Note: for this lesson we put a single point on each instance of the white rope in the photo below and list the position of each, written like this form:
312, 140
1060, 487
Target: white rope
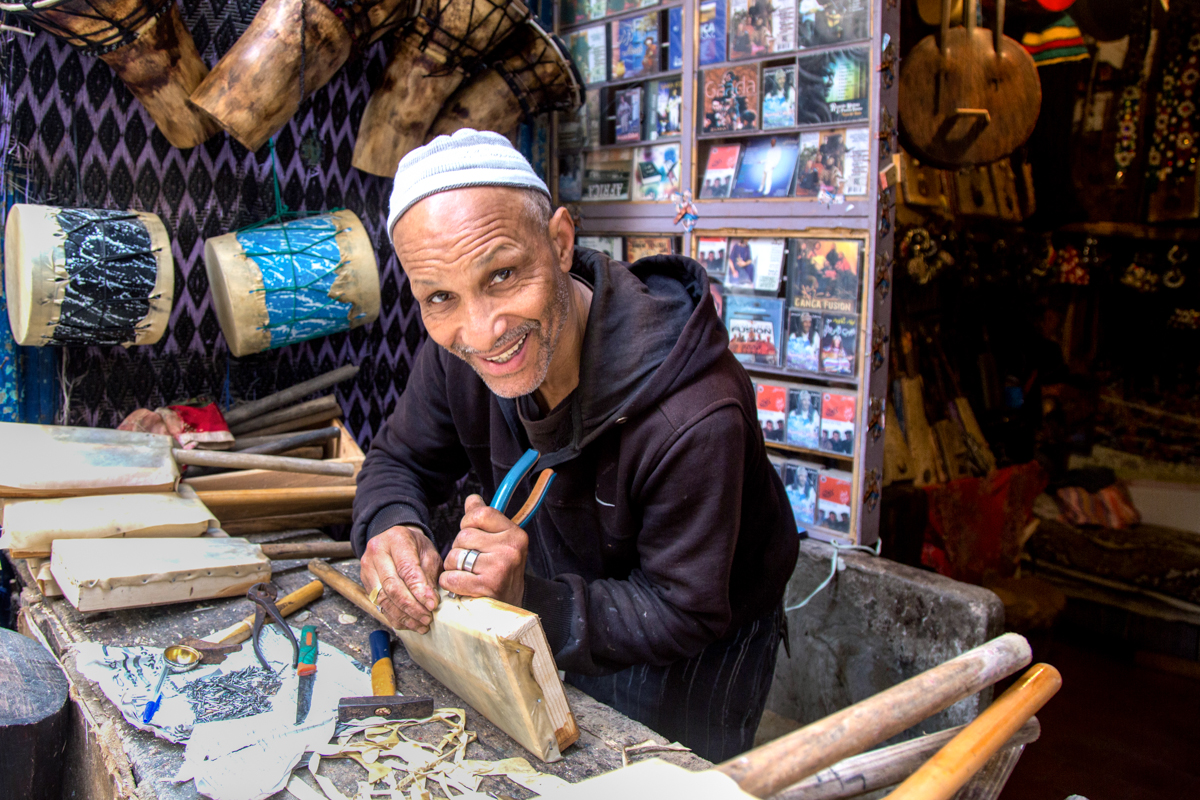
838, 549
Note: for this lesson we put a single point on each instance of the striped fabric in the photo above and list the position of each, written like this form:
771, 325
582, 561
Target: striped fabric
1059, 43
711, 702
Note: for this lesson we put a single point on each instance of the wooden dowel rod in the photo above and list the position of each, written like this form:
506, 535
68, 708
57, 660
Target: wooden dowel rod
887, 766
320, 405
277, 551
282, 442
288, 605
334, 496
944, 774
769, 769
219, 458
289, 396
347, 588
300, 423
287, 522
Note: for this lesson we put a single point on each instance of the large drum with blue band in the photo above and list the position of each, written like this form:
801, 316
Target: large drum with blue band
278, 284
86, 276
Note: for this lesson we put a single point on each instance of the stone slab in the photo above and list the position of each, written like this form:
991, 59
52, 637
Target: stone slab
876, 624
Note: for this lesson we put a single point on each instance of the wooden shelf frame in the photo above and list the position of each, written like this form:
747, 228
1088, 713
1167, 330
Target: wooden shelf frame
858, 217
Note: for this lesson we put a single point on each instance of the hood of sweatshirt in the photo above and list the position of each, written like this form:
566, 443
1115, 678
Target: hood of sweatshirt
652, 328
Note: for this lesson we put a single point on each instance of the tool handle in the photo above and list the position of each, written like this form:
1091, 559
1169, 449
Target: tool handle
383, 676
289, 604
307, 663
534, 502
515, 475
347, 588
151, 709
768, 769
944, 774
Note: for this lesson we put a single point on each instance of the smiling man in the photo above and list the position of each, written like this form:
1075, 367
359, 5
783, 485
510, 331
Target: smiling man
659, 559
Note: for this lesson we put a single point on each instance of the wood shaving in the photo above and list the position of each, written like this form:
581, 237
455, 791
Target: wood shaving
650, 746
398, 767
347, 619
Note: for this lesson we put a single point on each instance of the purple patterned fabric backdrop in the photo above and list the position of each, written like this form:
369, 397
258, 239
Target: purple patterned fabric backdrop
82, 140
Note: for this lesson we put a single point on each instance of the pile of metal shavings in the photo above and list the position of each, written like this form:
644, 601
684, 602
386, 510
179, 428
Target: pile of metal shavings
232, 695
400, 767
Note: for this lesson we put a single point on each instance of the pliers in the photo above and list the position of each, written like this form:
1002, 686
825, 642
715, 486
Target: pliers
263, 596
517, 474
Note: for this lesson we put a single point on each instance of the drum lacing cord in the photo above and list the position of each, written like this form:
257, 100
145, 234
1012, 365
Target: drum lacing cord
68, 332
460, 53
283, 213
125, 29
291, 251
523, 93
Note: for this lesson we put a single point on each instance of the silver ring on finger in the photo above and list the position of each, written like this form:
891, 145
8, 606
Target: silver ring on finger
467, 562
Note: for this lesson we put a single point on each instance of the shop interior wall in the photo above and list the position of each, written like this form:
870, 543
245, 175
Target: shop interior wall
78, 138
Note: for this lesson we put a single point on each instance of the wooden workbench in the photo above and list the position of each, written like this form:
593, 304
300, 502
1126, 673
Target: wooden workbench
108, 758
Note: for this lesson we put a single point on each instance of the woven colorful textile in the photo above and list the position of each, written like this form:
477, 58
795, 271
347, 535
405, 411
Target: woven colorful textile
1060, 42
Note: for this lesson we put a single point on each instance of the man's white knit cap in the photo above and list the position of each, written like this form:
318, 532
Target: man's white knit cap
464, 158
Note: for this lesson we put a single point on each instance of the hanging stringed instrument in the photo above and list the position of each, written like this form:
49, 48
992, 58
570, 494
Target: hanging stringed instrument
968, 95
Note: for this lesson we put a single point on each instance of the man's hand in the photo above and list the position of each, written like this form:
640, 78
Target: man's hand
499, 570
406, 565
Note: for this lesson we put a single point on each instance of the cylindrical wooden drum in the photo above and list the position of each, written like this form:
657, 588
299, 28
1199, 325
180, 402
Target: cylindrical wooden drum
255, 88
429, 62
80, 276
147, 46
279, 284
533, 74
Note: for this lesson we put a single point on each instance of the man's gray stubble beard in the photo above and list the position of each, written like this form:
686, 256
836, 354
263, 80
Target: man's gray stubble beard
562, 301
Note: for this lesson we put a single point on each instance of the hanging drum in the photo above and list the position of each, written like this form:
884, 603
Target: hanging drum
147, 46
291, 49
429, 62
289, 282
84, 276
533, 74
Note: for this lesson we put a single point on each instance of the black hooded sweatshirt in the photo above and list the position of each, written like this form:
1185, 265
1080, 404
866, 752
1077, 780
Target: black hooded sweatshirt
667, 527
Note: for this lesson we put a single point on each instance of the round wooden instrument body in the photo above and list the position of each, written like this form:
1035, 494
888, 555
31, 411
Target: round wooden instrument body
289, 282
535, 75
87, 276
150, 50
943, 92
255, 88
428, 64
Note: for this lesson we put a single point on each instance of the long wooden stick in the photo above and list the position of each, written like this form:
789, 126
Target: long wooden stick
313, 498
769, 769
300, 423
347, 588
954, 764
288, 605
318, 406
287, 522
279, 551
289, 396
887, 766
282, 442
220, 458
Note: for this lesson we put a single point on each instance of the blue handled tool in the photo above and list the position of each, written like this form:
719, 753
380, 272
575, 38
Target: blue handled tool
507, 486
156, 697
517, 474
